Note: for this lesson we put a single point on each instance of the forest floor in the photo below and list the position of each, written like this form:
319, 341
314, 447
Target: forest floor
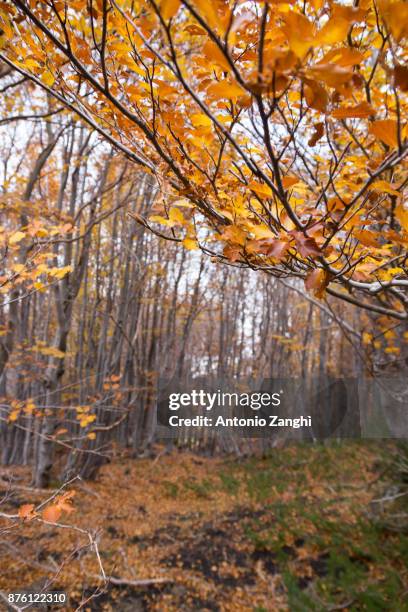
290, 531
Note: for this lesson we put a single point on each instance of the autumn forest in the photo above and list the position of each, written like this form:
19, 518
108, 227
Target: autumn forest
214, 194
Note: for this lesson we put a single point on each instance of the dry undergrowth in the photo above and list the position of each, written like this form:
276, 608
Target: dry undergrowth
211, 534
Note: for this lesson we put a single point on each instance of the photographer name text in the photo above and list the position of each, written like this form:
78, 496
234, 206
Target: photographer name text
221, 421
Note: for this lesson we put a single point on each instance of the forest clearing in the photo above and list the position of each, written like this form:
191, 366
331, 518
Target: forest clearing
295, 530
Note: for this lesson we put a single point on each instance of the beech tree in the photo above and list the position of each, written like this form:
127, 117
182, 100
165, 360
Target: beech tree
275, 132
95, 308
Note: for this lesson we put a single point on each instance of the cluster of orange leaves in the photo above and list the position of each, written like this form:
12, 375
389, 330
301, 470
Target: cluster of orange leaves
52, 511
275, 129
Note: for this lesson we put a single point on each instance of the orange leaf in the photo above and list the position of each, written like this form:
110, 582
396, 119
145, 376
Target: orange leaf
401, 77
367, 238
335, 30
343, 56
64, 502
264, 191
396, 16
214, 54
306, 245
317, 281
176, 216
233, 253
318, 134
208, 12
288, 181
277, 249
335, 204
331, 74
52, 513
316, 95
269, 246
402, 215
27, 512
190, 244
234, 234
383, 186
224, 89
386, 131
201, 120
169, 8
350, 13
361, 111
299, 32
